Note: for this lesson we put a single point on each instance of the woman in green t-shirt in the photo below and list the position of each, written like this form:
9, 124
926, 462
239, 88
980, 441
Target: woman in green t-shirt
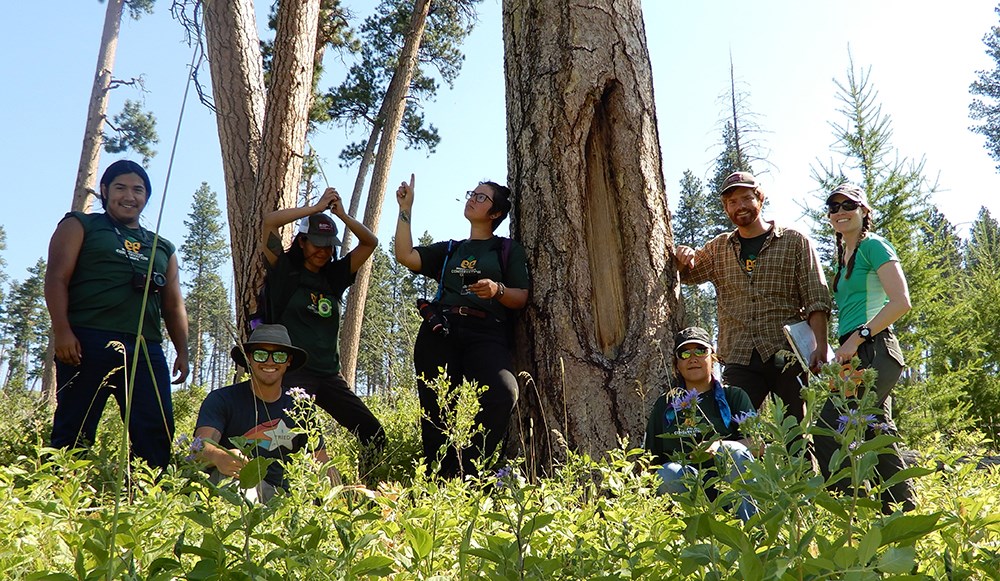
871, 294
305, 285
481, 280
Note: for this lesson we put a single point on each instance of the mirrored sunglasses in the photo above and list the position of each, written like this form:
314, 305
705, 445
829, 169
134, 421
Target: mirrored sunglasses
261, 355
696, 352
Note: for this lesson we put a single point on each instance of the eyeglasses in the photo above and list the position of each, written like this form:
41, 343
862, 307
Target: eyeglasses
696, 352
846, 205
261, 355
478, 197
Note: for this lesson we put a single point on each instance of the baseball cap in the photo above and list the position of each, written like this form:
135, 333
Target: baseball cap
851, 192
320, 230
738, 179
690, 335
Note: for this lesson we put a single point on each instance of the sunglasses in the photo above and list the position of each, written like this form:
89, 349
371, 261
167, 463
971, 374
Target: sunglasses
846, 205
478, 197
261, 355
696, 352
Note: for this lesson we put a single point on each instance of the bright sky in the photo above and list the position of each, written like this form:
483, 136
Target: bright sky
787, 53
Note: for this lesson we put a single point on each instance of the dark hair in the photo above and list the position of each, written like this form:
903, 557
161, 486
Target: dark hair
294, 253
501, 202
866, 223
119, 168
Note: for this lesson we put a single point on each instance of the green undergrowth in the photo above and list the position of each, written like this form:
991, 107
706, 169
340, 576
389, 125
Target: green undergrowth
592, 518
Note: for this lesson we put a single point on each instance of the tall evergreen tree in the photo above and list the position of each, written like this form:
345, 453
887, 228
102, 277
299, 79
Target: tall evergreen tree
985, 108
692, 226
205, 250
4, 339
27, 324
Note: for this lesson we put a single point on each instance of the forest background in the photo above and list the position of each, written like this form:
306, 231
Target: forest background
705, 59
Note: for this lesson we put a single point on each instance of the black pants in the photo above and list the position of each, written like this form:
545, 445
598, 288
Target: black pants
884, 355
334, 396
761, 378
474, 350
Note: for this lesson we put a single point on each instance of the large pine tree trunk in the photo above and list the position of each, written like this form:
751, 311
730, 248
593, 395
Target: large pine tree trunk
261, 155
395, 99
590, 208
238, 93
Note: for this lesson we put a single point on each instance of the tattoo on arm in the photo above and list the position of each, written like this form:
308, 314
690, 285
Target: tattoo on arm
404, 216
274, 244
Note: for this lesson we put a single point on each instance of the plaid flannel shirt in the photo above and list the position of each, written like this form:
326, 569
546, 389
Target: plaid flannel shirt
786, 286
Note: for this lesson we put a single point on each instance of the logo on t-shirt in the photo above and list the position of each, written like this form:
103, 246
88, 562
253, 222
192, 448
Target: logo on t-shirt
271, 435
321, 305
750, 263
468, 272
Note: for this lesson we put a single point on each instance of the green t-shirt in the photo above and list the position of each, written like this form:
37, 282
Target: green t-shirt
101, 293
312, 311
471, 261
861, 296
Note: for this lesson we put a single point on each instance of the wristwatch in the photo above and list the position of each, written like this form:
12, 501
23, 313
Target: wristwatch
865, 332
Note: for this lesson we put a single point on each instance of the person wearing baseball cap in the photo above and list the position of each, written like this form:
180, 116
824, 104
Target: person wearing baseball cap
255, 409
765, 276
871, 293
304, 288
699, 410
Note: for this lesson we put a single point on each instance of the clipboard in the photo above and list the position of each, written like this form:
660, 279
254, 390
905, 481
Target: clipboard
800, 336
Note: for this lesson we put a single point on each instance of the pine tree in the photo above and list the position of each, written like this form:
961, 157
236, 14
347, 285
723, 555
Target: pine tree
692, 227
987, 108
205, 250
27, 325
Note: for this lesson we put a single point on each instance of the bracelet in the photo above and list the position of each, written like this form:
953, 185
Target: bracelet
500, 290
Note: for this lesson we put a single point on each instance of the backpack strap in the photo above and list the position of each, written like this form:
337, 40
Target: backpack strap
452, 245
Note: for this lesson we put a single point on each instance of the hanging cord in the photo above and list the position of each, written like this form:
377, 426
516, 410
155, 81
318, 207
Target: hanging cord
140, 343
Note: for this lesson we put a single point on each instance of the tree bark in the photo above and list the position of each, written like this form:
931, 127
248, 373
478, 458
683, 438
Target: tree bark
238, 92
261, 152
395, 98
590, 208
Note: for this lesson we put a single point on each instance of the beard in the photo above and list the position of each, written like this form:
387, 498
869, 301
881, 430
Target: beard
745, 216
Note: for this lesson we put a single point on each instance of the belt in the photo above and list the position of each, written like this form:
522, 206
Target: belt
466, 312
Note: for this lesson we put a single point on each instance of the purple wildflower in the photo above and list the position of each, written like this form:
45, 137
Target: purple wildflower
503, 472
299, 394
853, 418
882, 428
744, 416
685, 401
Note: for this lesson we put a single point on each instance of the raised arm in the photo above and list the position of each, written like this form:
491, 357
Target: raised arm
64, 249
403, 247
367, 241
270, 240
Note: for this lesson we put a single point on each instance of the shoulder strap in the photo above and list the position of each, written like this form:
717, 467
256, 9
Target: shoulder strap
452, 245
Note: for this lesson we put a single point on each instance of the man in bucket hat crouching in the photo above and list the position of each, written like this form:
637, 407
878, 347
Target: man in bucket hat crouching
255, 410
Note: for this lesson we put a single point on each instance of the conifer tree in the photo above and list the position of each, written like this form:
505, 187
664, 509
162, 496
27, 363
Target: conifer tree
205, 251
27, 325
985, 107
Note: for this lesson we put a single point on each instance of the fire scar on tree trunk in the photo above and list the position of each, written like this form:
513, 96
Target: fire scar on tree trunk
590, 209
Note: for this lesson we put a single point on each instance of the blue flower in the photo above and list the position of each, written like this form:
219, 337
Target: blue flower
744, 416
685, 401
503, 472
853, 418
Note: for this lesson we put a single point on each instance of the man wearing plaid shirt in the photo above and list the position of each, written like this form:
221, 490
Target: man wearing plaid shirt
765, 276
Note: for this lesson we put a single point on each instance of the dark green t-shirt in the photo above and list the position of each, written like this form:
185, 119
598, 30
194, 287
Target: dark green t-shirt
709, 417
471, 261
101, 293
312, 311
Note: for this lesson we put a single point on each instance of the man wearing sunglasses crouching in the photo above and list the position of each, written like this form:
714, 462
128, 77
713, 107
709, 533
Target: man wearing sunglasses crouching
694, 429
255, 410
